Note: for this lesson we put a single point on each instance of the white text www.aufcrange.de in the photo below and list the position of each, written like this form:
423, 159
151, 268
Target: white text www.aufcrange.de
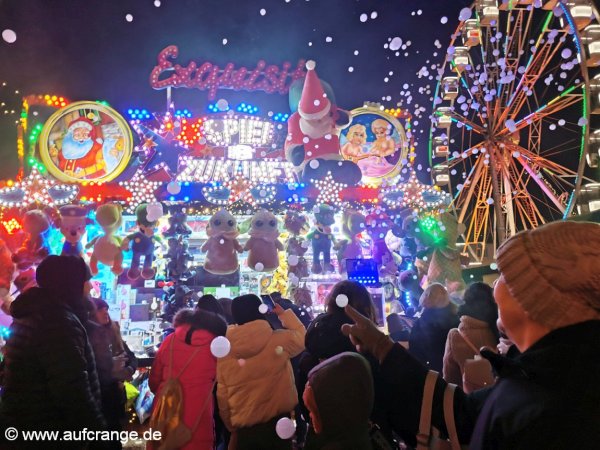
13, 434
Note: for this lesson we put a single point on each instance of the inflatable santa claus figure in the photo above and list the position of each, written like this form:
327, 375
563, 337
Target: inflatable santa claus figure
312, 144
81, 154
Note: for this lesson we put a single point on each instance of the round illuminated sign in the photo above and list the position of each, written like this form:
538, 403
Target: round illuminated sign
376, 142
86, 141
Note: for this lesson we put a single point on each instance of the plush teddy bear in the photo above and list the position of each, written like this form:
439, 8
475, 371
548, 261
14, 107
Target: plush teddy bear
263, 245
178, 258
7, 270
34, 248
321, 239
296, 247
441, 261
142, 243
177, 222
353, 223
222, 246
73, 220
378, 224
107, 248
312, 144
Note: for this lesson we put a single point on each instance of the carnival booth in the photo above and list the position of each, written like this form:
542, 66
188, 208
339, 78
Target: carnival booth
171, 205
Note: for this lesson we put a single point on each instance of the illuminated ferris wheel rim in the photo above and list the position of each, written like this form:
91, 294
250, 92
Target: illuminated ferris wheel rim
495, 137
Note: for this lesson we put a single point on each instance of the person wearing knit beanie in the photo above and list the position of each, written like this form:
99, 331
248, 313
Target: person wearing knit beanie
552, 272
548, 298
339, 395
245, 309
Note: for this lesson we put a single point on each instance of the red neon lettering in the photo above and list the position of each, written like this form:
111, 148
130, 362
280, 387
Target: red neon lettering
212, 78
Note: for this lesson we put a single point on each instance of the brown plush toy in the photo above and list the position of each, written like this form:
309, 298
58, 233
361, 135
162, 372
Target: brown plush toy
222, 246
263, 244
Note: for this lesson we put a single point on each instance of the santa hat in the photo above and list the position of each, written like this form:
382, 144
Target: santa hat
81, 122
314, 103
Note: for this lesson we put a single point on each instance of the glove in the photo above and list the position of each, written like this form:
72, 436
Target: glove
365, 335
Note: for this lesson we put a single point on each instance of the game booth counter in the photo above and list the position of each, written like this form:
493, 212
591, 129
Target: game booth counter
168, 206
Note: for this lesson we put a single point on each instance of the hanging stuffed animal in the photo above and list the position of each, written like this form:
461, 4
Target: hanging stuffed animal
296, 247
263, 245
142, 241
177, 222
7, 269
353, 223
107, 248
222, 246
312, 145
34, 248
321, 239
73, 220
179, 257
378, 224
441, 261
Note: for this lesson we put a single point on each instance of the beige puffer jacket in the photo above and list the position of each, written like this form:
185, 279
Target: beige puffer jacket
256, 381
458, 351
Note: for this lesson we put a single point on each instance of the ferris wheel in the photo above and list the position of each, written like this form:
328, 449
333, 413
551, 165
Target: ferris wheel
510, 125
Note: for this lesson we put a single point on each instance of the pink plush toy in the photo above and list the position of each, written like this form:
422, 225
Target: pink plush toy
353, 223
263, 245
7, 269
377, 226
312, 145
34, 249
222, 246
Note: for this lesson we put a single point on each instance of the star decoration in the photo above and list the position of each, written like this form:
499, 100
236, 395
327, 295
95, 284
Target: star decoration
160, 149
329, 190
149, 143
239, 189
36, 189
142, 190
413, 194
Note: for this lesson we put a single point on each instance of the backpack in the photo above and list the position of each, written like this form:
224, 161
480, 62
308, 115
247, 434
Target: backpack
167, 416
477, 372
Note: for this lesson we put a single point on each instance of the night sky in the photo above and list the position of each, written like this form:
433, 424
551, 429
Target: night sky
88, 50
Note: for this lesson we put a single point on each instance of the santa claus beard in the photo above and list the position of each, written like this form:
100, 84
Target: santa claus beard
315, 129
72, 149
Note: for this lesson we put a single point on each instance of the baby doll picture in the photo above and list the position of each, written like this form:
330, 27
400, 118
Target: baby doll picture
357, 138
384, 144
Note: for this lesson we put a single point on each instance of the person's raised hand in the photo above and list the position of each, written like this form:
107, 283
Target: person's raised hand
365, 335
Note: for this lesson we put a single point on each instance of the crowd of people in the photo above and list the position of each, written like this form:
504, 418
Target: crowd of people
523, 355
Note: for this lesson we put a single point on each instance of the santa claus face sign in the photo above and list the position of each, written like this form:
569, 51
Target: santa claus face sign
86, 141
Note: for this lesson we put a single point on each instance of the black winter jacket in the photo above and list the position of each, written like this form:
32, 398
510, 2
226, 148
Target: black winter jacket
50, 380
427, 341
546, 398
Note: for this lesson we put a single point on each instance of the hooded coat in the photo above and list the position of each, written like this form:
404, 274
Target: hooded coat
428, 335
200, 328
50, 379
342, 388
255, 380
324, 339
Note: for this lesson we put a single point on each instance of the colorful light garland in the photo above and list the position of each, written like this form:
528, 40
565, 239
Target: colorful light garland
142, 190
36, 189
329, 190
413, 194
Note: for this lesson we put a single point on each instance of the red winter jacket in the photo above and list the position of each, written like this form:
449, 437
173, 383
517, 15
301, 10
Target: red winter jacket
197, 379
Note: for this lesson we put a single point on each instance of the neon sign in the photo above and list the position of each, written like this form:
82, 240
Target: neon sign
210, 77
